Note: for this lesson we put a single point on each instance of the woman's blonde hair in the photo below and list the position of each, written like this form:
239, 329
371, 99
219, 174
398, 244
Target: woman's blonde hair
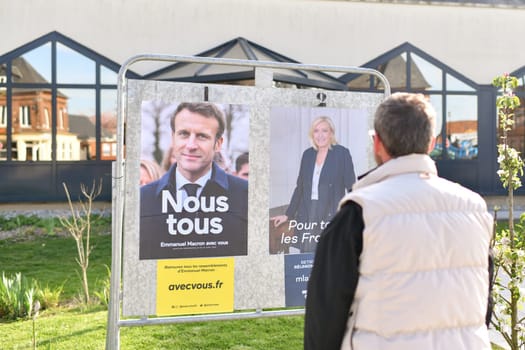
318, 121
152, 168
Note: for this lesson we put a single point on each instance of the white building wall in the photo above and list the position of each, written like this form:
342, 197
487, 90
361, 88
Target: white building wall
476, 41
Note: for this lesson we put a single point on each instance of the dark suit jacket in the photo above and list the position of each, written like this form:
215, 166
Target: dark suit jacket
202, 233
336, 176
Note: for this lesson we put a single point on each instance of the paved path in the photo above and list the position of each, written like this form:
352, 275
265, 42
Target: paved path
48, 209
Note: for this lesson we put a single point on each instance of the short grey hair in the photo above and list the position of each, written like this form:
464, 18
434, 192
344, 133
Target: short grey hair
405, 123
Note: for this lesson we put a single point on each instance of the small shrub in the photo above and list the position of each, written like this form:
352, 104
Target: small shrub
79, 226
17, 295
49, 297
49, 225
103, 293
509, 244
17, 222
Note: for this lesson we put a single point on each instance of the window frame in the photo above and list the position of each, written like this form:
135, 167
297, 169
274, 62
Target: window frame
409, 50
56, 122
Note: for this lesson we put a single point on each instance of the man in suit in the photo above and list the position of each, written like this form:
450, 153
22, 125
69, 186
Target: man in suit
196, 209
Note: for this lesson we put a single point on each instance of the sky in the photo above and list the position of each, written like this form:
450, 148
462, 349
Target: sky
74, 68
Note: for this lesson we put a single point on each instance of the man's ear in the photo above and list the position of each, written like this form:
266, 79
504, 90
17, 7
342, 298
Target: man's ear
377, 144
432, 144
218, 144
380, 150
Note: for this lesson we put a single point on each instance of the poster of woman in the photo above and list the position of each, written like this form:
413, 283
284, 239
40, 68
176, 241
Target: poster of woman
315, 155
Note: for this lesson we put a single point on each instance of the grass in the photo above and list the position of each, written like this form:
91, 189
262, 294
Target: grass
73, 329
50, 259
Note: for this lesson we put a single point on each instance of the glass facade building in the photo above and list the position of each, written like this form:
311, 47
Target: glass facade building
58, 111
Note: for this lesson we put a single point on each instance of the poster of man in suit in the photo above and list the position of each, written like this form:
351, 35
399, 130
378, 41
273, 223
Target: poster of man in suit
191, 203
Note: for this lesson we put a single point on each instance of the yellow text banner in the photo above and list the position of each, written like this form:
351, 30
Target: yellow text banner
195, 286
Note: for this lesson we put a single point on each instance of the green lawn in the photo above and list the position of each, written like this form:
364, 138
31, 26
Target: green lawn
51, 261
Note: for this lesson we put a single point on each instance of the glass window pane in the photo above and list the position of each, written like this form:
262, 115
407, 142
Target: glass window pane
462, 126
424, 75
3, 114
521, 80
457, 85
361, 82
108, 101
76, 131
109, 123
33, 66
437, 103
3, 124
74, 68
31, 137
2, 86
3, 77
108, 76
106, 150
395, 71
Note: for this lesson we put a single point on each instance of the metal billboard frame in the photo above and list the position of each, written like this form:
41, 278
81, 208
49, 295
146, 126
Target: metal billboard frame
114, 321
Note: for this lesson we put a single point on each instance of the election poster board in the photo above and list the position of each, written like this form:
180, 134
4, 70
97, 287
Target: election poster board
181, 139
273, 129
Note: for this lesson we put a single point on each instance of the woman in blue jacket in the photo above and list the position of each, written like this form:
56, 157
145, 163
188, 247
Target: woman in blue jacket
325, 175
